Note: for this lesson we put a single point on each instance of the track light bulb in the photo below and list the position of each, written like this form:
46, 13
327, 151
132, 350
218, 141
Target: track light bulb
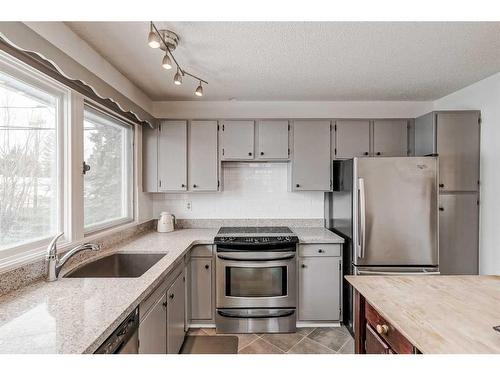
178, 78
199, 90
153, 40
166, 63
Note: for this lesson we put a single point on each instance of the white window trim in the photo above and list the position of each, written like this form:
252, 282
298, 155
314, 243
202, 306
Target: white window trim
70, 159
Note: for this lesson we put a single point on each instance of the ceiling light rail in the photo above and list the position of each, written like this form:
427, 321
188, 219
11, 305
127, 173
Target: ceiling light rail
167, 41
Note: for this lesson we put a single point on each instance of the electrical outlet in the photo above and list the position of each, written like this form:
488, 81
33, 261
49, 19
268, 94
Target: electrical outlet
189, 205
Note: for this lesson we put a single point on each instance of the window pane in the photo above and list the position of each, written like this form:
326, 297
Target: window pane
28, 163
107, 185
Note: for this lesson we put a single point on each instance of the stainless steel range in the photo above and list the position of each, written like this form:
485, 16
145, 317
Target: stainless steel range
256, 271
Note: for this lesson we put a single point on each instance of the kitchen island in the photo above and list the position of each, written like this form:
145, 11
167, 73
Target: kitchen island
426, 314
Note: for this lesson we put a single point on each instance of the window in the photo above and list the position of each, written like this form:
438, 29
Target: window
31, 121
108, 181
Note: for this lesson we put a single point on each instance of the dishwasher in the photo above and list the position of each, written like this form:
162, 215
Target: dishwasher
124, 339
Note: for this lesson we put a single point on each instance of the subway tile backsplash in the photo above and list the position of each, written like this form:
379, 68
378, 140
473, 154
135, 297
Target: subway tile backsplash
250, 191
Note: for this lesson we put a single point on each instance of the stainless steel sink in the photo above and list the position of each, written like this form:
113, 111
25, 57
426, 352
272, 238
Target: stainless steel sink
117, 265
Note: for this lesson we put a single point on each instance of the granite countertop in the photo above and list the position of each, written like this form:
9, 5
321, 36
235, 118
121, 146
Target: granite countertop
76, 315
438, 314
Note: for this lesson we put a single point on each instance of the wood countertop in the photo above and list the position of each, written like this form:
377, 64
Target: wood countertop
438, 314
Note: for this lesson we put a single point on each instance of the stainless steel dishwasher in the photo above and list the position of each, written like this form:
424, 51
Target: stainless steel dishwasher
124, 339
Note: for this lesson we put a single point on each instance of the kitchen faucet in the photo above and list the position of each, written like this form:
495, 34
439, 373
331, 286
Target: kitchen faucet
54, 264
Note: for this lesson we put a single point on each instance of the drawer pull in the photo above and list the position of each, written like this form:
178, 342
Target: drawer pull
382, 329
321, 251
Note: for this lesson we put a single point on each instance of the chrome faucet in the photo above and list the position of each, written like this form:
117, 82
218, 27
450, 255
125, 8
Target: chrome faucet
54, 264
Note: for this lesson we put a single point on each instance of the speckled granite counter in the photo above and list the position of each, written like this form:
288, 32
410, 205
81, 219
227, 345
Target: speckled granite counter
77, 315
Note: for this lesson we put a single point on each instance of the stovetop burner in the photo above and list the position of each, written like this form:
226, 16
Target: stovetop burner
252, 230
255, 235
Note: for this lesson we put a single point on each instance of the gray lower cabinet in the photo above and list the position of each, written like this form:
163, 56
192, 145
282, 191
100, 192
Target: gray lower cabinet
458, 234
201, 289
311, 155
175, 315
237, 138
390, 137
172, 156
273, 139
319, 285
352, 138
153, 328
203, 158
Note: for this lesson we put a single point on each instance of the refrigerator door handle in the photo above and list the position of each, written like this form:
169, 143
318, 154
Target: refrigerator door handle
362, 217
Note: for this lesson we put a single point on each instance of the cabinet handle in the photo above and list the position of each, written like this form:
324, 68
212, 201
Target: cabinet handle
262, 153
441, 185
164, 304
195, 186
249, 154
297, 185
366, 153
183, 185
321, 251
441, 209
382, 329
303, 265
379, 153
171, 296
207, 266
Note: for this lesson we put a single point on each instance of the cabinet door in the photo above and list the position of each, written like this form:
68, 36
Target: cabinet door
458, 234
172, 156
273, 140
175, 315
319, 288
352, 138
203, 165
201, 289
390, 138
153, 329
311, 155
425, 135
374, 344
237, 140
458, 149
149, 159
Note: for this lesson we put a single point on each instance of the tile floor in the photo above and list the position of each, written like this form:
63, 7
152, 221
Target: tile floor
304, 341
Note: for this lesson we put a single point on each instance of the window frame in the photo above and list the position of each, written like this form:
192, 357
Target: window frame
130, 198
33, 78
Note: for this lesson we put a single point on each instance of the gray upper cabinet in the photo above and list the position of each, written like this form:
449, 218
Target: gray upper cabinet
172, 156
273, 139
352, 138
203, 165
149, 159
237, 140
153, 329
458, 234
311, 155
175, 315
390, 137
454, 136
458, 149
319, 288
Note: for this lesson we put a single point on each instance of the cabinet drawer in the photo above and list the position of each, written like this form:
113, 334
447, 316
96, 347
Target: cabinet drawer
198, 251
317, 250
397, 342
374, 344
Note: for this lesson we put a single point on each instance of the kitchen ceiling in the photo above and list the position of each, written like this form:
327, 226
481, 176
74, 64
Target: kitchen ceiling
270, 61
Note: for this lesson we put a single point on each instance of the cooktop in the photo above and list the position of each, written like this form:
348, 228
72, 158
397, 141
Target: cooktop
252, 230
255, 235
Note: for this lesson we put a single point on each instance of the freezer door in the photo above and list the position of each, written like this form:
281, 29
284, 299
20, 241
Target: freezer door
395, 211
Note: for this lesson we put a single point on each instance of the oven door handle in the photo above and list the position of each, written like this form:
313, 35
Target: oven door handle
281, 313
257, 257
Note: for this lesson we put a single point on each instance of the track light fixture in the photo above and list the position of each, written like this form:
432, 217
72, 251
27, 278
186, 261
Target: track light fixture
199, 90
167, 41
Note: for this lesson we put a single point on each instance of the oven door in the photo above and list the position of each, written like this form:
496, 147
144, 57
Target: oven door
263, 279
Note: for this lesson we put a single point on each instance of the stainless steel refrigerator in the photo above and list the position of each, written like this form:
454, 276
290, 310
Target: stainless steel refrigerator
387, 210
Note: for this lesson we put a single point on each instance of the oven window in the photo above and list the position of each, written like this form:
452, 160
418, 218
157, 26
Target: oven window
256, 282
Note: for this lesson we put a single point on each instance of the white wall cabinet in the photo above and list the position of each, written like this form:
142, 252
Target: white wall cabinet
273, 139
390, 138
202, 154
311, 155
320, 275
237, 140
172, 156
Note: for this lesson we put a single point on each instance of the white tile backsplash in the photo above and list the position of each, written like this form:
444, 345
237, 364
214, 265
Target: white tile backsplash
250, 190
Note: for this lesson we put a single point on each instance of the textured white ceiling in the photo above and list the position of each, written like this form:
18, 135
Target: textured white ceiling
304, 60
